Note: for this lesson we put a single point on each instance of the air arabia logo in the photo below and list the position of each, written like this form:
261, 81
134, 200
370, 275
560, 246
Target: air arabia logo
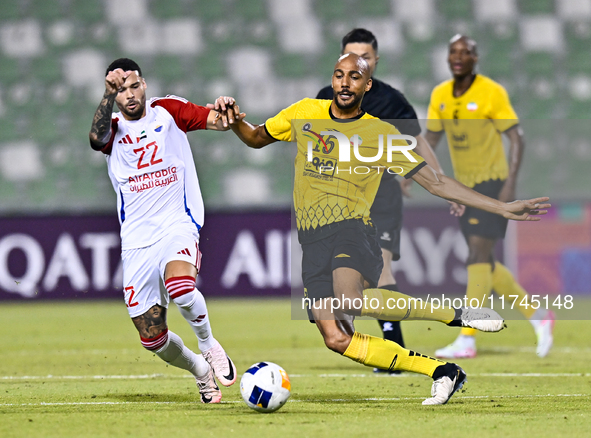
325, 142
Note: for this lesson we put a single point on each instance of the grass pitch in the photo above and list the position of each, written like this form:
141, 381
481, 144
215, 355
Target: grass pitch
78, 370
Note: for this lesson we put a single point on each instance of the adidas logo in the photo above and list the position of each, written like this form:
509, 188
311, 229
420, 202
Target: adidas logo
199, 318
126, 140
184, 252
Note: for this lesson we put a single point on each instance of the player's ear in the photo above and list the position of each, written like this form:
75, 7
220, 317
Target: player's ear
368, 85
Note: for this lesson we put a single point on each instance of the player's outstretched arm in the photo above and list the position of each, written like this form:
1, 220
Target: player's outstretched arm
452, 190
100, 132
254, 136
424, 149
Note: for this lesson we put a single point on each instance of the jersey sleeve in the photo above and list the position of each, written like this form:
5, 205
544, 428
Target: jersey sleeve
279, 126
502, 113
187, 115
433, 115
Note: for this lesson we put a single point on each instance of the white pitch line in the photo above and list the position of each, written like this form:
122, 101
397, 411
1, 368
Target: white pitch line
337, 400
107, 377
335, 375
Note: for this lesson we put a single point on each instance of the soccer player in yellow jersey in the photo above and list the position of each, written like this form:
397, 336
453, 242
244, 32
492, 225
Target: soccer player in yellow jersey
474, 111
342, 260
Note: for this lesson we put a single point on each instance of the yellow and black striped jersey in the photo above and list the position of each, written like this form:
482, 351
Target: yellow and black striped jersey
328, 187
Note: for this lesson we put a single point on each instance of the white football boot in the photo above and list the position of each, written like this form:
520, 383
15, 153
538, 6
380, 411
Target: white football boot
464, 347
544, 334
209, 390
222, 365
444, 387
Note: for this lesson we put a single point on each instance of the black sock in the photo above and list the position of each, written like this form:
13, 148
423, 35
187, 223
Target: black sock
444, 370
457, 321
391, 329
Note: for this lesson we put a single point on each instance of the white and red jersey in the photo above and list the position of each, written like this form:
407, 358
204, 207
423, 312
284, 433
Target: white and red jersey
152, 170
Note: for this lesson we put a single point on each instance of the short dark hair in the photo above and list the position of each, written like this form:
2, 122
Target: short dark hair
360, 35
124, 64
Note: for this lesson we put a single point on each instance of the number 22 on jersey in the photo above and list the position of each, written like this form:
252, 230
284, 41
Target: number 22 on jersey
143, 151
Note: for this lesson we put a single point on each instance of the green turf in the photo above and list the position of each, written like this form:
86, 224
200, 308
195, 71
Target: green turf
80, 359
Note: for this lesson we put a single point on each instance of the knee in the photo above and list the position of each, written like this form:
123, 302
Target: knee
337, 341
187, 300
476, 256
152, 327
181, 290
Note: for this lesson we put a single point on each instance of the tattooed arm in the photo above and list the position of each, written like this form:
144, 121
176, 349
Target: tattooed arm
100, 132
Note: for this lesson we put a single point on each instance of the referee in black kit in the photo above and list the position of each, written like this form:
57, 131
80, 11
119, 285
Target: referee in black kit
386, 103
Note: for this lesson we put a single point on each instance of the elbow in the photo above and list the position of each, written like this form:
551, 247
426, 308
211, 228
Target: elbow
437, 190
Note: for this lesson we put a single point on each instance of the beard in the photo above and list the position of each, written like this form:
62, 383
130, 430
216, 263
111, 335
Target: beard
346, 106
137, 112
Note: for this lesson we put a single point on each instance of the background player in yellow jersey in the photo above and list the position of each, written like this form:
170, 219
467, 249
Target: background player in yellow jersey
341, 256
474, 111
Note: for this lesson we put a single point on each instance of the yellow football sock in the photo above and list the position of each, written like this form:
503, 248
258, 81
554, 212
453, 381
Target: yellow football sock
505, 284
479, 286
395, 306
388, 355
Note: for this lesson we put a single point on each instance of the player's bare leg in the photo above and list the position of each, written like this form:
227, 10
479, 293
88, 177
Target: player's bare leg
169, 347
350, 298
338, 331
179, 279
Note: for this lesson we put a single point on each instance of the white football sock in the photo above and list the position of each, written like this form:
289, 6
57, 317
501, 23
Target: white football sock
177, 354
193, 308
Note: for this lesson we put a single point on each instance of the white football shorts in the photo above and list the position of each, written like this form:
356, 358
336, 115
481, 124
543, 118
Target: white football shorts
143, 269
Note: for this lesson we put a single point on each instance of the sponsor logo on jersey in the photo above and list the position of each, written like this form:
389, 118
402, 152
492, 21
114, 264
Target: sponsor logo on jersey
473, 221
472, 106
149, 180
385, 236
158, 128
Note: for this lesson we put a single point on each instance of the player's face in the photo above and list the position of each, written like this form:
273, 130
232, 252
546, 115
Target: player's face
131, 98
350, 81
461, 58
366, 51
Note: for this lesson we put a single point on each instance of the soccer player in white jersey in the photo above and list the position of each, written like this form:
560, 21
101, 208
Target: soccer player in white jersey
161, 212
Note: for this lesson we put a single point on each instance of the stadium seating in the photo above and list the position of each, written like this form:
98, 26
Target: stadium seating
538, 49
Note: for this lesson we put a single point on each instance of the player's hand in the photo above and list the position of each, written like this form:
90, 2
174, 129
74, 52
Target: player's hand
228, 109
405, 186
456, 209
115, 80
528, 210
